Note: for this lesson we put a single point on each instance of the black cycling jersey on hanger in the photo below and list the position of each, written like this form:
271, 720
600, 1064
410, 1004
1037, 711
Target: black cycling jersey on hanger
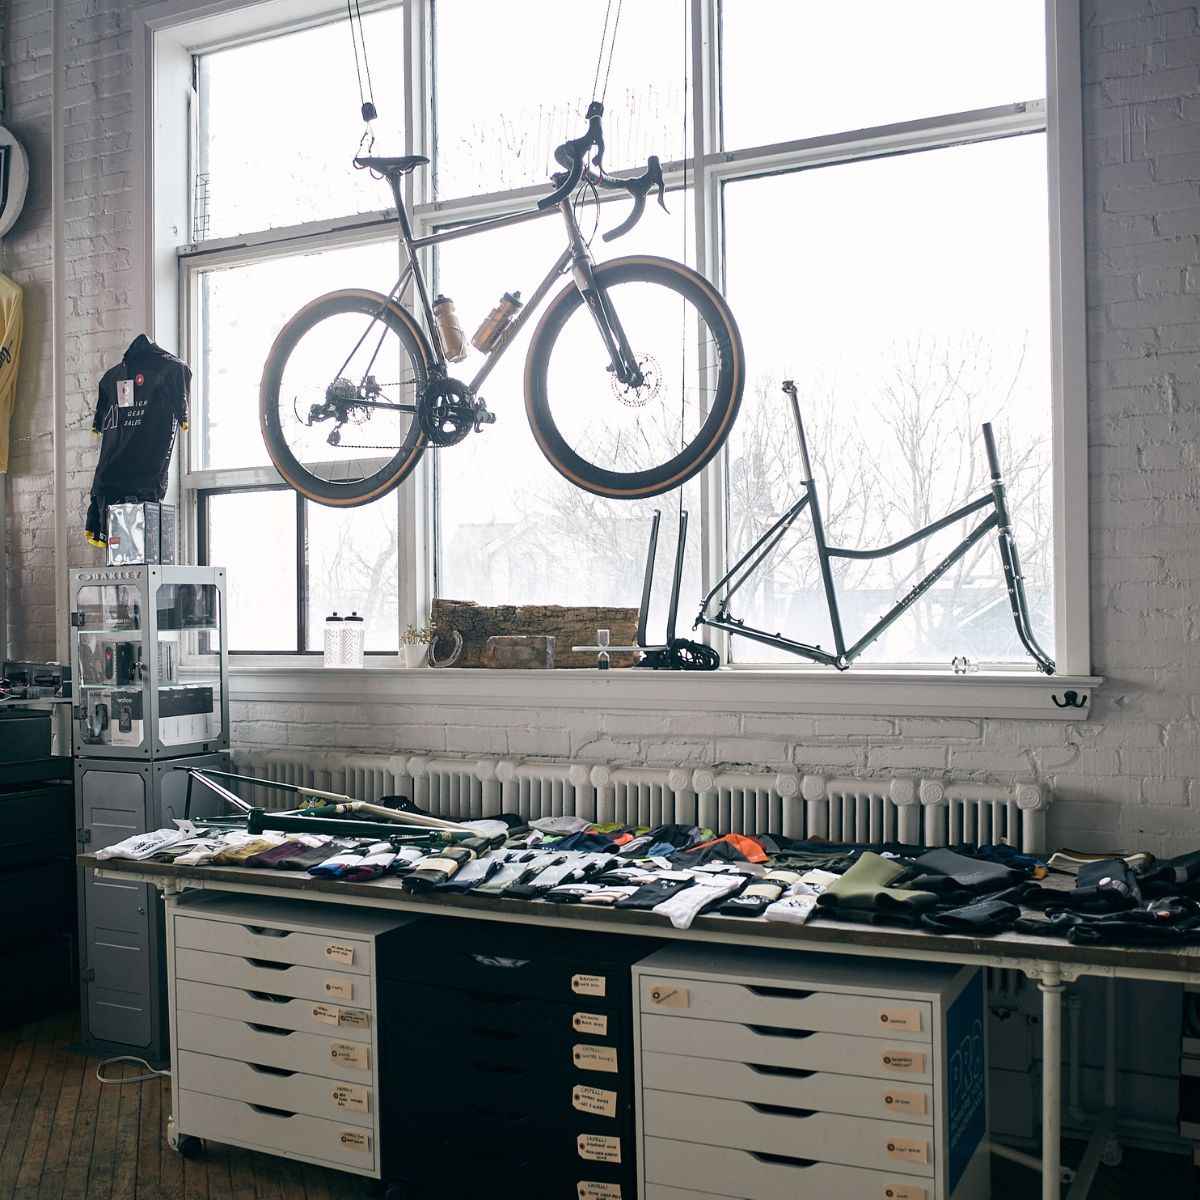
141, 402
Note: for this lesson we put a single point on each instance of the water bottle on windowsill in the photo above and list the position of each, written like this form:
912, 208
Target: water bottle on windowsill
335, 627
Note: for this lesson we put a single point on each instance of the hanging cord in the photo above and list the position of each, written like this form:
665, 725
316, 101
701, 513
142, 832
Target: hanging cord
612, 45
366, 96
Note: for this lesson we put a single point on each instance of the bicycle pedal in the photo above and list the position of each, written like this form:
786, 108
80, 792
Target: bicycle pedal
483, 416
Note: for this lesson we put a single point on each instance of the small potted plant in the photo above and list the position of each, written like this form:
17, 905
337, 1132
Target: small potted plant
414, 644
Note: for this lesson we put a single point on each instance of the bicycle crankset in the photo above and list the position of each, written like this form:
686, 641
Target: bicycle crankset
682, 655
448, 412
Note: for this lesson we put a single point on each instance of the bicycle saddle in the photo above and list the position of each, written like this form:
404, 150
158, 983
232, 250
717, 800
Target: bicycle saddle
392, 166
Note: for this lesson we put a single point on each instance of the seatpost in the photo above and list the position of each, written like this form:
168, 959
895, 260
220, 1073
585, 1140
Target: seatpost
805, 463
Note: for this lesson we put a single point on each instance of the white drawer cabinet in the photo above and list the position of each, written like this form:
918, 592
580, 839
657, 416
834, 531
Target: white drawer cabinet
273, 1027
763, 1075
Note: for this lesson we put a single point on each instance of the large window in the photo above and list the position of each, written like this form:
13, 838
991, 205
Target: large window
874, 207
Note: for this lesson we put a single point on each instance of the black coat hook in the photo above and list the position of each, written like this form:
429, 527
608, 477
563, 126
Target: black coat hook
1070, 700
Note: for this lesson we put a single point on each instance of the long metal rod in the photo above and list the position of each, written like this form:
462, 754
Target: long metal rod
1051, 985
921, 534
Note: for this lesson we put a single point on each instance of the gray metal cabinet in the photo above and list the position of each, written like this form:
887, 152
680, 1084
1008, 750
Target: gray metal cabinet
121, 932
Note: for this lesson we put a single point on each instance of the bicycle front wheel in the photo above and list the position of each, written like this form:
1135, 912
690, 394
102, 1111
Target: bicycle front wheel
628, 442
338, 398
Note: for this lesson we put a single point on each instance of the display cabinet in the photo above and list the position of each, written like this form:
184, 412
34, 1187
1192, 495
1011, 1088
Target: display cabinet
149, 660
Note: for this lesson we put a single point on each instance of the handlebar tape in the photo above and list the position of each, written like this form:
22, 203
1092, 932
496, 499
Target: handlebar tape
573, 156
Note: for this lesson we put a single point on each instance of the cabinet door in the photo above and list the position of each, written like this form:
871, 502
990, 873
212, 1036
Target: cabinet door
115, 933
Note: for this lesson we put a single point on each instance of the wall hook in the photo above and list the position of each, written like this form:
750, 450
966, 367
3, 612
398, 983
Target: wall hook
1070, 700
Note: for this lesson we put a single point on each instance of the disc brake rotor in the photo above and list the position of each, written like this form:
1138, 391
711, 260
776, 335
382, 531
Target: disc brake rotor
639, 397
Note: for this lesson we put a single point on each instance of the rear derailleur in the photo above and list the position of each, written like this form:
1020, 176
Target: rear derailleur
448, 411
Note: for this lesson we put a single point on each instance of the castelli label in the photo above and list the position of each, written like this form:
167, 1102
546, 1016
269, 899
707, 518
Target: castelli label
327, 1014
598, 1101
596, 1023
593, 1190
355, 1018
337, 952
339, 989
667, 995
355, 1139
597, 1148
904, 1191
348, 1054
907, 1150
594, 1058
346, 1095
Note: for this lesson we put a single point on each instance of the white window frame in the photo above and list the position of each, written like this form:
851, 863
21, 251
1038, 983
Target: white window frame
167, 34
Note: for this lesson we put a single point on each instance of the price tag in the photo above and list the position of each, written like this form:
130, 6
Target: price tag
124, 393
900, 1018
355, 1139
355, 1018
340, 953
904, 1191
905, 1102
596, 1023
588, 985
669, 996
327, 1014
339, 989
595, 1147
595, 1058
346, 1095
598, 1101
907, 1150
348, 1054
591, 1190
909, 1061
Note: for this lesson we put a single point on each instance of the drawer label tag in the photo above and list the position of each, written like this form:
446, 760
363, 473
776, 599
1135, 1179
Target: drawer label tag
598, 1148
591, 1190
339, 989
599, 1101
339, 952
348, 1054
346, 1095
594, 1058
327, 1014
355, 1139
910, 1061
904, 1191
669, 996
587, 985
905, 1102
907, 1150
900, 1018
356, 1018
596, 1023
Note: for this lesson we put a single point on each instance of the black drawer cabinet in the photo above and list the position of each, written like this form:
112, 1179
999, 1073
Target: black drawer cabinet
507, 1061
37, 888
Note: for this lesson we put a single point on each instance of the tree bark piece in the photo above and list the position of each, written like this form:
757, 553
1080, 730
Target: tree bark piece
519, 652
568, 626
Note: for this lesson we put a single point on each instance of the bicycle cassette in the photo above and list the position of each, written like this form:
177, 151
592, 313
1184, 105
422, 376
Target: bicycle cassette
448, 412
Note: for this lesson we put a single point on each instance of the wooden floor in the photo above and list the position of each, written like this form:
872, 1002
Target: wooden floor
64, 1136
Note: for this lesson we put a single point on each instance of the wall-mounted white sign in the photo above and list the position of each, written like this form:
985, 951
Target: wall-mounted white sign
14, 179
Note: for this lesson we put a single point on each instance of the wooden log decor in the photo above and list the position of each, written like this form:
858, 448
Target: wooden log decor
519, 652
568, 626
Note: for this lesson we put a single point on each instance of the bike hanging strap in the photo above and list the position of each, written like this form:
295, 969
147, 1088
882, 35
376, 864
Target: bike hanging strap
366, 96
612, 45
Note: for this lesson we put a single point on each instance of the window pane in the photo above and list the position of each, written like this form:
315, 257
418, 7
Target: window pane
498, 122
253, 536
915, 309
797, 70
242, 309
280, 125
512, 530
352, 568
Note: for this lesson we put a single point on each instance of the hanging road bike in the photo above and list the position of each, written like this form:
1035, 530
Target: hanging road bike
633, 378
998, 519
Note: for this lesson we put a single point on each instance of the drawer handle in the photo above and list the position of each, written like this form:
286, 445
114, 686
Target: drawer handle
272, 1029
500, 1035
782, 1159
777, 1031
782, 993
779, 1110
496, 1068
492, 998
267, 998
263, 931
263, 1069
272, 1112
269, 966
790, 1072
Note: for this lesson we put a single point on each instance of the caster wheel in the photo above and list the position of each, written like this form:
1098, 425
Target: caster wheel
189, 1147
396, 1191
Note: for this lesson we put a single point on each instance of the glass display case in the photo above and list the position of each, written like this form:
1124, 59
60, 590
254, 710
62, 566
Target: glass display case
149, 661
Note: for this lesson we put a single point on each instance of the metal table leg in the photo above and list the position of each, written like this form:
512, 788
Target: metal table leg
1050, 984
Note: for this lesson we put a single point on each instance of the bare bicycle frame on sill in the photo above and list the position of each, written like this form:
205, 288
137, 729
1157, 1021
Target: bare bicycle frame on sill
715, 610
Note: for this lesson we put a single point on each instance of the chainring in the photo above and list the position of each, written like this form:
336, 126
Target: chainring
446, 412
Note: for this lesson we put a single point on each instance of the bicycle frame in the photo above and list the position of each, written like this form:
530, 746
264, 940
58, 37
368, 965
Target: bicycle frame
843, 656
576, 257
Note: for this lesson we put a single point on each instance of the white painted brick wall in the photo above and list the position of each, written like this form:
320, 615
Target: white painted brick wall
1127, 775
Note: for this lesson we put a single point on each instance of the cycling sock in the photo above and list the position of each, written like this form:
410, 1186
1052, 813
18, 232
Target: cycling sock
682, 908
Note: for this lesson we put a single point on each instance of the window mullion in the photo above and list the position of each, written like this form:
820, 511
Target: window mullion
302, 590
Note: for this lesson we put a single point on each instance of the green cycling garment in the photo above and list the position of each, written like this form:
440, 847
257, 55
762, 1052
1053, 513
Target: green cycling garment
867, 890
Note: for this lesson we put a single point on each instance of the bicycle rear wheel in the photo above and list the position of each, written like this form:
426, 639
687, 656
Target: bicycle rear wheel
626, 442
338, 398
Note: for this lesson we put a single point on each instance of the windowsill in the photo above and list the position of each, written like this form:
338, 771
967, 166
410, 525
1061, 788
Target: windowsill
1014, 695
